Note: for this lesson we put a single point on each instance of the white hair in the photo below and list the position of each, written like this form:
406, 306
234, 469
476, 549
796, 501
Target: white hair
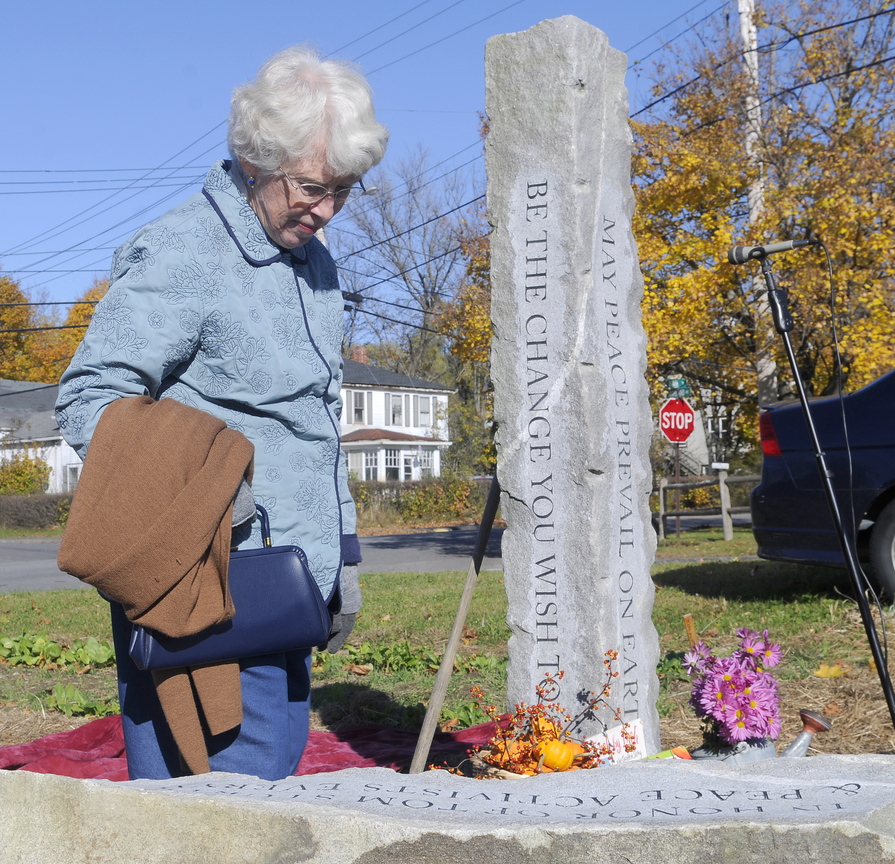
300, 107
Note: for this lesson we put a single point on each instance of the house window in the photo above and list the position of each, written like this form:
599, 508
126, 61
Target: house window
371, 465
359, 415
408, 467
392, 464
396, 415
356, 463
425, 419
425, 457
72, 474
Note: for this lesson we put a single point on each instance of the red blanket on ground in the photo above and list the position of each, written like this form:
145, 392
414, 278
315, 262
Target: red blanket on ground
96, 750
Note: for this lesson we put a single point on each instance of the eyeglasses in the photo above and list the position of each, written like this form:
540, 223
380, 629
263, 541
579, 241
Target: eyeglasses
314, 193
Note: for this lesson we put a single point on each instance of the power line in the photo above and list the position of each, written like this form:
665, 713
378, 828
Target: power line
673, 38
63, 252
802, 86
408, 181
102, 263
416, 309
409, 29
56, 303
380, 27
414, 228
157, 184
92, 179
825, 78
26, 243
41, 329
139, 213
763, 49
351, 254
87, 170
77, 252
673, 21
179, 184
402, 323
404, 272
445, 38
30, 389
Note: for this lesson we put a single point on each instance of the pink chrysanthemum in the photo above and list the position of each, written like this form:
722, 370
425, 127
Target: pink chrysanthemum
735, 694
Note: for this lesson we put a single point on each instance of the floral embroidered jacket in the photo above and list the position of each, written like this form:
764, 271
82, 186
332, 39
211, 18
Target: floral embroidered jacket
203, 308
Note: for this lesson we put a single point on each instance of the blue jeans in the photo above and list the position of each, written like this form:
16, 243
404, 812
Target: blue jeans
276, 701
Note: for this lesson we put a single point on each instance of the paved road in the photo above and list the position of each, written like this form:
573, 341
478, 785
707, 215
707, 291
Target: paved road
30, 565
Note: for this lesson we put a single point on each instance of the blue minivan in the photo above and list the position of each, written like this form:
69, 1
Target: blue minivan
790, 516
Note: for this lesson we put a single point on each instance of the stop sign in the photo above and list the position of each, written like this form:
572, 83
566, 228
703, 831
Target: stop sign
676, 420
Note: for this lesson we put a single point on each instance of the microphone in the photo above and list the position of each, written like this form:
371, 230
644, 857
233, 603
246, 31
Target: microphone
742, 254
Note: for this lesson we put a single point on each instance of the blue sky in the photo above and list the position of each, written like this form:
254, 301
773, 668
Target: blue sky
144, 89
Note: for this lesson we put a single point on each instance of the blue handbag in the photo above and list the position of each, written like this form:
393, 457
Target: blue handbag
279, 608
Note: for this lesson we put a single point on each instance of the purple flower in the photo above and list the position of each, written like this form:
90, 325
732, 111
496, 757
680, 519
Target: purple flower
735, 694
771, 655
695, 660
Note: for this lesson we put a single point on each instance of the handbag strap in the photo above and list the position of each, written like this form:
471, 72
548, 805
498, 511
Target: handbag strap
265, 526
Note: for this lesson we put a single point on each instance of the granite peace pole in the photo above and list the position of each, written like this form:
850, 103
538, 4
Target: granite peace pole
568, 360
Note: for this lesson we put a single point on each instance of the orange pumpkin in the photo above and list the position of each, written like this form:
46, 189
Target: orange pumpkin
556, 754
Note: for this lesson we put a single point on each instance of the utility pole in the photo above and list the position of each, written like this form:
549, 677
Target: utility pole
765, 365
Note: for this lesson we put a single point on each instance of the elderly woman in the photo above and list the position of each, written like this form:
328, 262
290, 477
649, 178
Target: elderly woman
230, 304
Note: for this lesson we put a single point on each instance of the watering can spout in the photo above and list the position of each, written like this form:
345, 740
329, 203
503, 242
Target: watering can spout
812, 722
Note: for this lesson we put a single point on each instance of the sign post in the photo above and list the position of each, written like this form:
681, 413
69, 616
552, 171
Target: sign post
677, 419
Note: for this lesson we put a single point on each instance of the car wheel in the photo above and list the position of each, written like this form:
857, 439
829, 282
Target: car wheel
882, 551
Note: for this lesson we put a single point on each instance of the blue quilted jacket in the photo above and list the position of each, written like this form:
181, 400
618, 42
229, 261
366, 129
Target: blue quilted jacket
203, 308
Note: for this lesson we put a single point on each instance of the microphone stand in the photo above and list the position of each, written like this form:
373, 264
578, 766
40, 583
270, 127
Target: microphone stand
783, 324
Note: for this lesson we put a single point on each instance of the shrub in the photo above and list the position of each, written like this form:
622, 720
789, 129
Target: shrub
701, 496
438, 498
23, 474
33, 511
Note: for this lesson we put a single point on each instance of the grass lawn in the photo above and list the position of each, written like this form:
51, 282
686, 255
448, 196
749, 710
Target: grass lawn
386, 673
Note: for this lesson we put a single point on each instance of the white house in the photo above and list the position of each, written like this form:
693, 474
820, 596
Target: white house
27, 424
394, 427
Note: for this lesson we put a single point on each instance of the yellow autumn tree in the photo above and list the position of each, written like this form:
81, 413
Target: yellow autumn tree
825, 148
69, 336
16, 322
466, 323
36, 345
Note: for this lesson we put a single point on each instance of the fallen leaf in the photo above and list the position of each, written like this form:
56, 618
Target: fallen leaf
832, 709
358, 669
837, 670
448, 725
386, 617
